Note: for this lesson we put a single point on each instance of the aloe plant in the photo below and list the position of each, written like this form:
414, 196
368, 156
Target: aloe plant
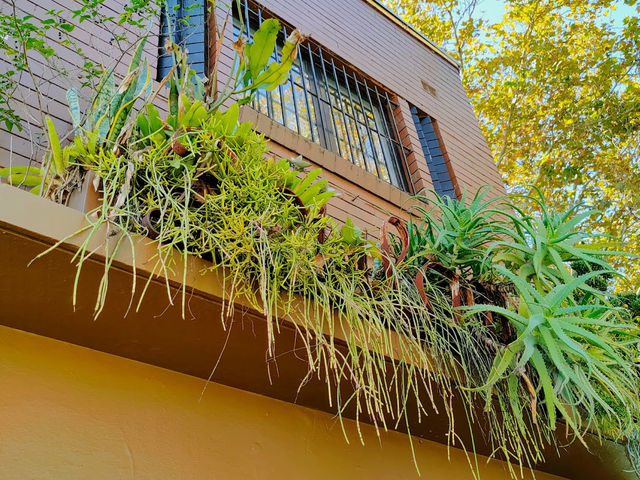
572, 349
457, 235
542, 247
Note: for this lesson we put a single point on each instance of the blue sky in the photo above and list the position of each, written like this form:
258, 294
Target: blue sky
493, 10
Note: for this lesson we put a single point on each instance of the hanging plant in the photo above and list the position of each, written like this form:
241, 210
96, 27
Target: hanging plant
473, 300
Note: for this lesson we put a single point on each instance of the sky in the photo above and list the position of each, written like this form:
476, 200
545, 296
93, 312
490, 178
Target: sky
493, 10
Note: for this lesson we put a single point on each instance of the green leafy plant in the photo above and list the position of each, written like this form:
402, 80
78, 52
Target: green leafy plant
572, 349
309, 193
455, 234
541, 247
473, 301
25, 37
555, 347
254, 70
51, 180
22, 176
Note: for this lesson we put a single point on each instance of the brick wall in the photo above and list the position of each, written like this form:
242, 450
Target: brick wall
356, 32
372, 43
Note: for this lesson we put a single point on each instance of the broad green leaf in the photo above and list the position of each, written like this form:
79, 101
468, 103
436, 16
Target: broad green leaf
230, 119
24, 179
54, 145
307, 180
264, 41
30, 170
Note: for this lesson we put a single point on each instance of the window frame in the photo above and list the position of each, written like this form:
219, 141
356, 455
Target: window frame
345, 112
188, 20
442, 177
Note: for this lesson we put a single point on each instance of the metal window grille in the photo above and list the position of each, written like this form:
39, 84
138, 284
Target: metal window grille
188, 21
330, 104
436, 162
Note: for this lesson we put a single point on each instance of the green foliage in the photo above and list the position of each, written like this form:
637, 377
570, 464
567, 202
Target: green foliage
481, 301
560, 349
311, 195
25, 38
254, 71
599, 282
218, 198
630, 302
454, 233
18, 36
556, 86
542, 247
259, 52
43, 180
23, 176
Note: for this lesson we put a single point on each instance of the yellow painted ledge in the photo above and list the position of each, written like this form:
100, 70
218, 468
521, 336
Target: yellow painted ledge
69, 412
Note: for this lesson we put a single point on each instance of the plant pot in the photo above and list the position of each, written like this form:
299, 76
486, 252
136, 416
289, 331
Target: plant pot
296, 200
150, 221
87, 197
176, 145
385, 246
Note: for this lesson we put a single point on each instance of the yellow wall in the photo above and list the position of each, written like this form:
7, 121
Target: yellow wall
68, 412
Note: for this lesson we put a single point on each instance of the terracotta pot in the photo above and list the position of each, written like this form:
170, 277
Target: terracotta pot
87, 197
385, 246
177, 146
149, 221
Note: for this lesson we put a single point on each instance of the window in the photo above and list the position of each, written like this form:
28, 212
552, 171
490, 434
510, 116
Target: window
436, 161
187, 21
330, 104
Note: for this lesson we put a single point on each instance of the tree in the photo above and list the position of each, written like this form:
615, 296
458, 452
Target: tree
556, 86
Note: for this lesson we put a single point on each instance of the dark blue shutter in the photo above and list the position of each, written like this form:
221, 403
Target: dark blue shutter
438, 169
188, 23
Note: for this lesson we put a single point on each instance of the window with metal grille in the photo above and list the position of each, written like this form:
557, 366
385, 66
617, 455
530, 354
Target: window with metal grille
330, 104
436, 161
185, 19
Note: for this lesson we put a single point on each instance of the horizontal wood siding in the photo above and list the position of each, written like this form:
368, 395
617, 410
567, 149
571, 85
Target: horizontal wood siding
352, 29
